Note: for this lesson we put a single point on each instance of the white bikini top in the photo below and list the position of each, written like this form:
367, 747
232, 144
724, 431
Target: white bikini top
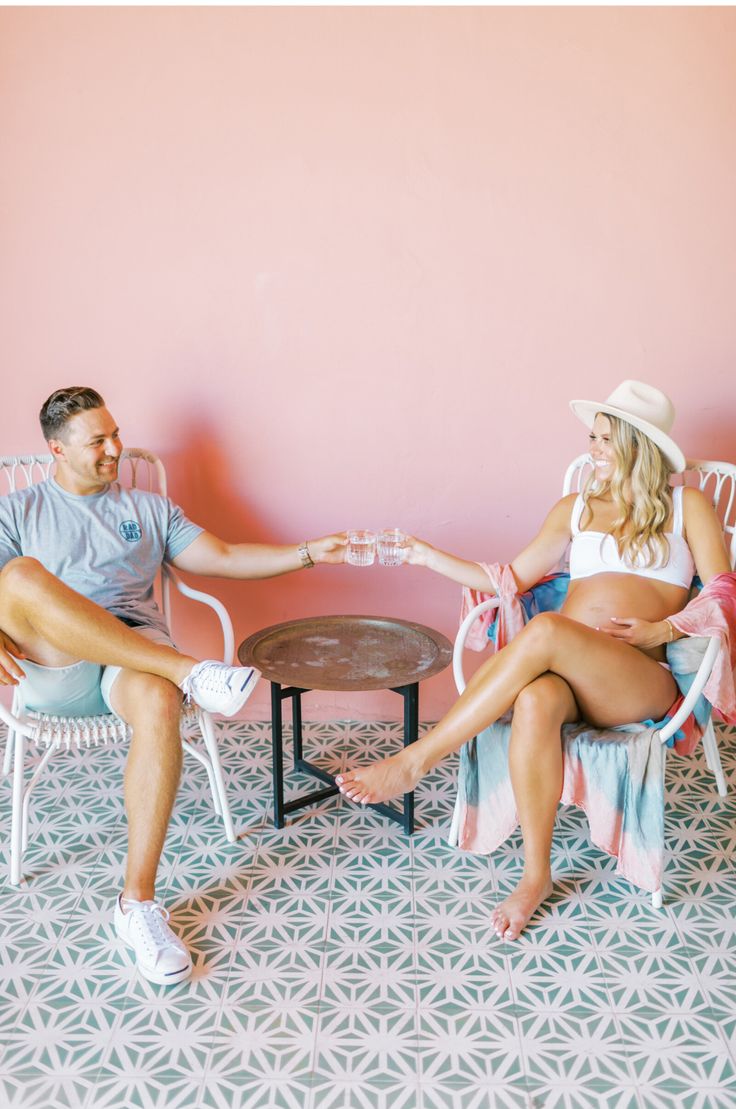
595, 552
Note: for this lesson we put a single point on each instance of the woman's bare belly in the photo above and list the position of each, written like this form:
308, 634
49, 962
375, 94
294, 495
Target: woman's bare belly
594, 600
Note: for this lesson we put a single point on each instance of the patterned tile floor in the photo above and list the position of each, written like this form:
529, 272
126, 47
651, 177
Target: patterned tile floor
339, 963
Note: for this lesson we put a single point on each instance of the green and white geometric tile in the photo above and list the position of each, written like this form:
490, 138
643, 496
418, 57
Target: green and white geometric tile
339, 963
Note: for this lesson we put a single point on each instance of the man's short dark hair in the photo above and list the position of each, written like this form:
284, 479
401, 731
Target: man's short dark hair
62, 405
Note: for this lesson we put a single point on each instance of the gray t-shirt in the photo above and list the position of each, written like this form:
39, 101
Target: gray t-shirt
108, 546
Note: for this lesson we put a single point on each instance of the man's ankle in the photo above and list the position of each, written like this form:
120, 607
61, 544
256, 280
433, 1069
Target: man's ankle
138, 893
184, 669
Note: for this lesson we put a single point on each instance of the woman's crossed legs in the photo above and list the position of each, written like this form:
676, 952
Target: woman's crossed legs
554, 672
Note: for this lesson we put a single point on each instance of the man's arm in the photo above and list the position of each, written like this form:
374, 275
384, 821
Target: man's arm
215, 558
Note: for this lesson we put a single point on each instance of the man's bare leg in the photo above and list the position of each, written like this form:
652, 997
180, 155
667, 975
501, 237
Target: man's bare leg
635, 688
152, 706
535, 764
54, 625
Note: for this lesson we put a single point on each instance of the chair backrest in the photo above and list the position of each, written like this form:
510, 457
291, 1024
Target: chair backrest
138, 469
716, 479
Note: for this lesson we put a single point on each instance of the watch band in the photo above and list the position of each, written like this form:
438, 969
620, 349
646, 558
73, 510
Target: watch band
304, 555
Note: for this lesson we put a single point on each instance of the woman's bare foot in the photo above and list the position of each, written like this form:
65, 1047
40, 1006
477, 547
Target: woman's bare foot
370, 785
512, 915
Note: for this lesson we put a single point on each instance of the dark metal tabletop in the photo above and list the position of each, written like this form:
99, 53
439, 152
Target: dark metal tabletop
347, 652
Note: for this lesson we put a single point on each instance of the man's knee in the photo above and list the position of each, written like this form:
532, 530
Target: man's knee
141, 698
20, 574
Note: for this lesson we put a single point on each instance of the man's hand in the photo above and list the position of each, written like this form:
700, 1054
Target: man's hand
329, 549
644, 634
10, 671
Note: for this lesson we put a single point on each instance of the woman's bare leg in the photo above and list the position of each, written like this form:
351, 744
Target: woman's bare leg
535, 764
55, 626
612, 682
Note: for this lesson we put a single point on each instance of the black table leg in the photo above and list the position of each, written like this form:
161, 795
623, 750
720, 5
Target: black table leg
403, 816
277, 744
296, 724
280, 807
411, 734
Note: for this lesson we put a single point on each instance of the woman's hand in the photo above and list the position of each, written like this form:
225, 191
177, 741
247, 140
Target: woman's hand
10, 671
329, 549
415, 551
639, 633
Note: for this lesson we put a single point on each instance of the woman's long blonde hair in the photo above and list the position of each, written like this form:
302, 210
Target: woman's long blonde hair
640, 490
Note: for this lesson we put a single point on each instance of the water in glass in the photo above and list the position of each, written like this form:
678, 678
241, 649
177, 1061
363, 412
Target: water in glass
361, 548
390, 552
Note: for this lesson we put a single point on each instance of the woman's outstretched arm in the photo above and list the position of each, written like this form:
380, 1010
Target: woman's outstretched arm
536, 560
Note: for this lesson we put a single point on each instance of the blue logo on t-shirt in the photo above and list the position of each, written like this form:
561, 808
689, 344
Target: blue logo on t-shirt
130, 531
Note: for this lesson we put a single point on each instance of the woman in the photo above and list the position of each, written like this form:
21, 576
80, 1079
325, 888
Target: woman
635, 544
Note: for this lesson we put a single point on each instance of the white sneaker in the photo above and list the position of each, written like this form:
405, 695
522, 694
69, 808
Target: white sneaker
219, 688
160, 956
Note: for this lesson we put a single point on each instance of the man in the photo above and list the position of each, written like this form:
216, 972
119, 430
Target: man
79, 555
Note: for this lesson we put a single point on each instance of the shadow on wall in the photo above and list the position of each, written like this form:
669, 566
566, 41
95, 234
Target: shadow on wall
200, 481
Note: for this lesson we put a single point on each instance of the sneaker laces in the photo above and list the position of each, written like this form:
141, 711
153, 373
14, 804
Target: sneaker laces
210, 677
207, 676
150, 921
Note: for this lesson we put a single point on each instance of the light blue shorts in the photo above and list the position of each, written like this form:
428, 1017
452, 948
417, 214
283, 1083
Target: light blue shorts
82, 689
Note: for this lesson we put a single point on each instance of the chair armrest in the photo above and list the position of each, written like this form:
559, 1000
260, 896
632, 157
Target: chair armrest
226, 625
14, 723
462, 635
694, 692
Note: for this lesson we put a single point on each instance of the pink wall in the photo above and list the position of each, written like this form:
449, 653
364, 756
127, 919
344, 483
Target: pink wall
345, 267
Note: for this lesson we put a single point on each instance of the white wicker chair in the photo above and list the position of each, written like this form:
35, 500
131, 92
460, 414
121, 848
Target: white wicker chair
718, 480
141, 469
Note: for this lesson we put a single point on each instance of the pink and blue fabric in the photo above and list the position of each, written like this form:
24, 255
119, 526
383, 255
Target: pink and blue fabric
616, 776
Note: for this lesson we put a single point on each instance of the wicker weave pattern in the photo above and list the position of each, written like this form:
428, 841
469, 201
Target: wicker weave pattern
86, 731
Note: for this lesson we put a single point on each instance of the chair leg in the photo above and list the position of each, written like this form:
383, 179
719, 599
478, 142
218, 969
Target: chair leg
210, 742
657, 899
16, 826
8, 756
204, 760
713, 758
46, 758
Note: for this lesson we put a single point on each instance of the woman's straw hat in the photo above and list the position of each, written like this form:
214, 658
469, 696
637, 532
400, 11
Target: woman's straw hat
645, 408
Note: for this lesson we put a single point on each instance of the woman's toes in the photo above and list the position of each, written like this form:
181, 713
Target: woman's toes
354, 791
